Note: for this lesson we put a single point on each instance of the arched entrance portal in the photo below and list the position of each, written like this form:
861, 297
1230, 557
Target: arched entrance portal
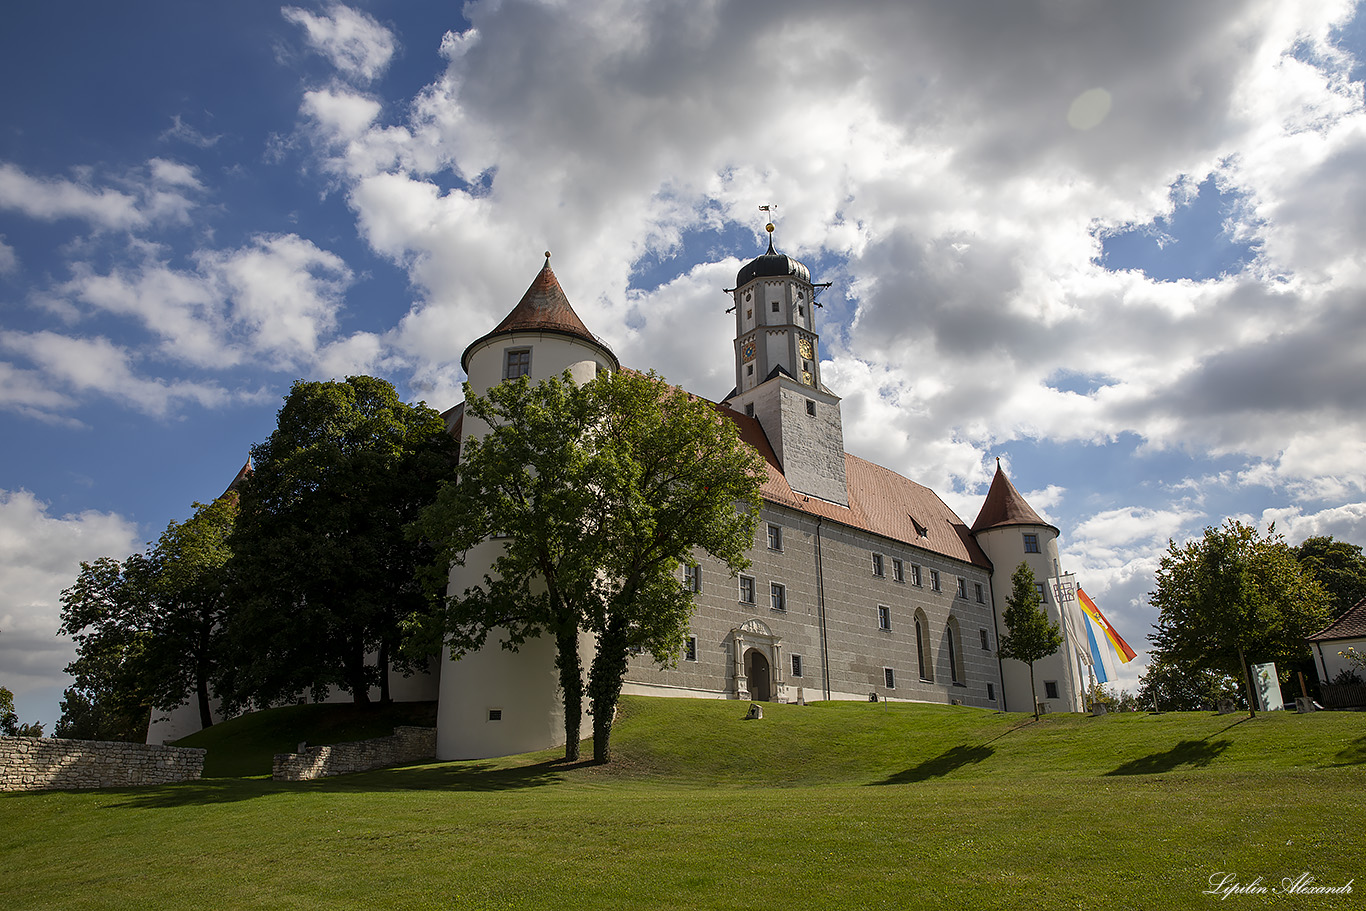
759, 676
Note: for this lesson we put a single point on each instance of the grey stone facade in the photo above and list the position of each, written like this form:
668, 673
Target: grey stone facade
405, 745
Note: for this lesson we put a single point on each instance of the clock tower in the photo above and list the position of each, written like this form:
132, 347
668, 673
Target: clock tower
778, 374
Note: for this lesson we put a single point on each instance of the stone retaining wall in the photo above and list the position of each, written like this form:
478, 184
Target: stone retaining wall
35, 764
407, 744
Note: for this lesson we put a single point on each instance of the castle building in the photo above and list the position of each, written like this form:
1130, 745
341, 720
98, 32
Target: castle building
863, 583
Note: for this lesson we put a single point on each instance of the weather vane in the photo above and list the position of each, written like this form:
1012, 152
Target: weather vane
770, 209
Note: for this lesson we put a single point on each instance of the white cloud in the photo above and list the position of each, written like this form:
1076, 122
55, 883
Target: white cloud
40, 555
50, 199
353, 41
9, 260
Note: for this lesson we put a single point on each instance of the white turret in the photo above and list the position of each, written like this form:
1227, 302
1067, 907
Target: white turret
495, 702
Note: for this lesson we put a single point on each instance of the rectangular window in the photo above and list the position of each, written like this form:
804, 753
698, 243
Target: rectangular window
1031, 543
889, 678
962, 588
746, 590
884, 617
749, 409
877, 564
985, 643
977, 588
991, 693
517, 362
811, 408
1050, 689
796, 665
898, 570
915, 575
690, 649
1043, 592
777, 596
775, 306
692, 577
934, 580
775, 537
495, 714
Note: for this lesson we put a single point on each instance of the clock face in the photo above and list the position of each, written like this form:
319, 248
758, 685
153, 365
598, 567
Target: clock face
749, 351
807, 378
806, 349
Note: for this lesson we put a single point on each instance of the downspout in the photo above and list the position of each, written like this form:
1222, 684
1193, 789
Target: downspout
820, 613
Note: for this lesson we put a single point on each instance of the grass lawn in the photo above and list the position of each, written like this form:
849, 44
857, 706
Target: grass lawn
836, 805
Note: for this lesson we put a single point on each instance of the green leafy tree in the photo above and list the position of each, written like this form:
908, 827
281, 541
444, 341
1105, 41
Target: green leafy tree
1338, 566
1232, 596
106, 613
528, 482
597, 492
323, 574
9, 719
1170, 686
1030, 635
679, 480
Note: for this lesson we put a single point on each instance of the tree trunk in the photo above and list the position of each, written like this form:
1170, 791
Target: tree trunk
1034, 696
571, 684
202, 690
1247, 683
355, 676
384, 672
604, 685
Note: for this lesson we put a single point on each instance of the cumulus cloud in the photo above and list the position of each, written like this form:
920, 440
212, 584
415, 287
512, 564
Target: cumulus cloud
352, 41
40, 555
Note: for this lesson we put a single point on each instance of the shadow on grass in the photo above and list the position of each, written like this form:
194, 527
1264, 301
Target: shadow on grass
465, 776
1353, 754
948, 761
1194, 753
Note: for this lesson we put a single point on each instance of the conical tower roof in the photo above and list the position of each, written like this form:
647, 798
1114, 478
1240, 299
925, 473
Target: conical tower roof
543, 308
1004, 506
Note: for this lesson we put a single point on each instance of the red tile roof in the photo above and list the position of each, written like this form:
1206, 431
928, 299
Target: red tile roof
543, 308
880, 501
1351, 625
1004, 506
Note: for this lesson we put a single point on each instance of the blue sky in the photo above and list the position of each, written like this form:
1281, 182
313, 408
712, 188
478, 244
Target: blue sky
1115, 245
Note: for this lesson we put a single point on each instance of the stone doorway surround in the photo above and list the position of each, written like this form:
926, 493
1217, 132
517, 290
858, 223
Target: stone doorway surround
755, 635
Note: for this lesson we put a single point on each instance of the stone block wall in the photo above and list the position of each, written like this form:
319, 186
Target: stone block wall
405, 745
34, 764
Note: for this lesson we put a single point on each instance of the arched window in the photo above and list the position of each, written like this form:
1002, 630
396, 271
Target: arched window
955, 643
922, 647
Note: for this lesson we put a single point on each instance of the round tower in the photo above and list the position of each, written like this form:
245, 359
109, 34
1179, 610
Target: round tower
495, 702
1010, 532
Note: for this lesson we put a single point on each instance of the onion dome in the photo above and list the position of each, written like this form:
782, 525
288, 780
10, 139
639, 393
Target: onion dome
772, 264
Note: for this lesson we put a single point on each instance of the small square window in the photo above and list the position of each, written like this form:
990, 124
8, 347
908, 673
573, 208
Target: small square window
775, 306
915, 574
516, 363
877, 564
977, 589
985, 643
1031, 543
746, 590
796, 665
934, 580
1050, 689
898, 570
749, 409
749, 370
777, 596
690, 649
962, 588
495, 714
889, 678
811, 408
692, 577
884, 617
775, 537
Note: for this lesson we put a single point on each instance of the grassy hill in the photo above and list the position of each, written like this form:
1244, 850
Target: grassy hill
848, 805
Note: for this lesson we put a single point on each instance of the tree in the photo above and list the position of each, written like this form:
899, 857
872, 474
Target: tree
1030, 635
681, 480
1338, 566
1170, 686
105, 612
322, 571
1231, 596
597, 492
9, 719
